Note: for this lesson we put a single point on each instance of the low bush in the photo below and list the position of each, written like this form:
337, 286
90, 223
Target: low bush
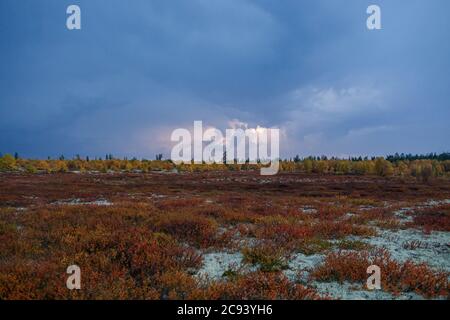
432, 219
257, 286
267, 257
193, 229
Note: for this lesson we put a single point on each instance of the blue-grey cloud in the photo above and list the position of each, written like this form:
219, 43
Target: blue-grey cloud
138, 69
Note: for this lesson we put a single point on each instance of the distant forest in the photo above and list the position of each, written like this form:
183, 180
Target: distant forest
391, 158
421, 167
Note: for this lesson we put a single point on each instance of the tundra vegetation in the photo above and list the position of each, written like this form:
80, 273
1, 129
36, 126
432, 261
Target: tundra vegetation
142, 230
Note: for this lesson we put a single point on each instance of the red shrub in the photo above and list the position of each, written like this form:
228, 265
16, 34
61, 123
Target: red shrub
283, 234
194, 229
432, 219
257, 285
340, 229
171, 204
331, 213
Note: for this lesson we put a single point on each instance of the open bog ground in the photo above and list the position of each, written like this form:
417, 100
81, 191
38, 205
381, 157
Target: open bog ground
223, 235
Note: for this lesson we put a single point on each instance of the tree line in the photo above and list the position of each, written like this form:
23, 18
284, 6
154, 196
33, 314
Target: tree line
423, 167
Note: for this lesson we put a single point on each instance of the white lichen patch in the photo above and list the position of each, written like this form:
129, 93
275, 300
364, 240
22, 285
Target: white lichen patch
300, 265
79, 202
354, 291
435, 203
216, 263
308, 210
414, 245
404, 215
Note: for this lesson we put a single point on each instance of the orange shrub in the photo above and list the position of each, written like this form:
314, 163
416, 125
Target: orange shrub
171, 204
257, 285
340, 229
284, 234
330, 213
194, 229
175, 285
146, 258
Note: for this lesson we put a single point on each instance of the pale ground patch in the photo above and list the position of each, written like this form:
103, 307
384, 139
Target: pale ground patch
352, 291
79, 202
216, 263
308, 210
301, 264
433, 249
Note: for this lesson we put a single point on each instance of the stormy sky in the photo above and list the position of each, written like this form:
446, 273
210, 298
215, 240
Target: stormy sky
139, 69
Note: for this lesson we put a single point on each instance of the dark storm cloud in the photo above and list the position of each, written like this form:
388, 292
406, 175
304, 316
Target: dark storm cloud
138, 69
